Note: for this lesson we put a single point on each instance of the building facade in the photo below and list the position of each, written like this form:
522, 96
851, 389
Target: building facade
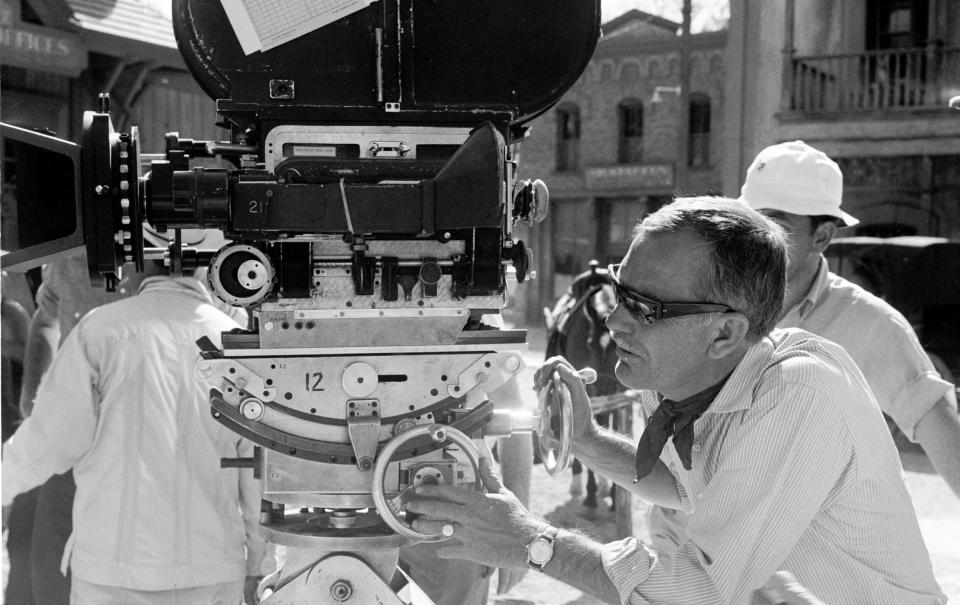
868, 82
610, 153
56, 56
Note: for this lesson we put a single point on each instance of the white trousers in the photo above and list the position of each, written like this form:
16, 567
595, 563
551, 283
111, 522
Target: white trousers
84, 593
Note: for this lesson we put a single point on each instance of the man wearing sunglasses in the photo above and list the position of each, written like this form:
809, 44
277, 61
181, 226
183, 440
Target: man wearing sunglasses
772, 442
801, 188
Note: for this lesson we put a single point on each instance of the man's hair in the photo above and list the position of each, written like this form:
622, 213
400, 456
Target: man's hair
749, 253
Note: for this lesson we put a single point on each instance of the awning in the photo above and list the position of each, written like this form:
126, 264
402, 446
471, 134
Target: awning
126, 28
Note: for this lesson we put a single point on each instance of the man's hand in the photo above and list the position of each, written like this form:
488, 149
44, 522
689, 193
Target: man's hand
583, 422
250, 584
492, 529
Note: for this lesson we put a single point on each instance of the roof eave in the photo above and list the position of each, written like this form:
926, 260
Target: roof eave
109, 44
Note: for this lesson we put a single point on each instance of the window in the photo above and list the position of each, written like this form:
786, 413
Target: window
897, 76
573, 239
28, 15
896, 24
630, 148
617, 218
699, 147
568, 138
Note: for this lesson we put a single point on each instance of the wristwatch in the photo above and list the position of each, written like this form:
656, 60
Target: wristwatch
540, 549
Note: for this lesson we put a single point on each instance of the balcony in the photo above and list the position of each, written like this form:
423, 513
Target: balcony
887, 80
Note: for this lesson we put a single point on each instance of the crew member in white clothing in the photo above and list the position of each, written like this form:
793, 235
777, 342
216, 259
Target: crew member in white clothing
156, 520
772, 443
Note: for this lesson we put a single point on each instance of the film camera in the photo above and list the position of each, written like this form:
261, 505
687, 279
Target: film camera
370, 195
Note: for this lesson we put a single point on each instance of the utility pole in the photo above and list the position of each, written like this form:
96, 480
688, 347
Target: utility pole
683, 149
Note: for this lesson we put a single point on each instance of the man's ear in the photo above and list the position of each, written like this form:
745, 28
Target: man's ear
823, 235
729, 332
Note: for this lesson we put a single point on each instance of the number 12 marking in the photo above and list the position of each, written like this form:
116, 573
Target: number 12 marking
316, 377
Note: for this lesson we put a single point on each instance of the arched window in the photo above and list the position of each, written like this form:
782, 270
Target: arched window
568, 137
606, 72
630, 72
630, 146
699, 148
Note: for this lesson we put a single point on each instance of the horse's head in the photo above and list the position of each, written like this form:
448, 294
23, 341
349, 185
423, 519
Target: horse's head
576, 328
600, 348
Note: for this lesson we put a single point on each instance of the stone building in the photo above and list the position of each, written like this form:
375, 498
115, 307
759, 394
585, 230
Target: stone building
609, 149
867, 81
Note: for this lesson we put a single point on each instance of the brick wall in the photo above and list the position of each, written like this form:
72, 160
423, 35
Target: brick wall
620, 70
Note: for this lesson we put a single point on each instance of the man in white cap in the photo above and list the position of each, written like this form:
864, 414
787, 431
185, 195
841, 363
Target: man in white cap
801, 188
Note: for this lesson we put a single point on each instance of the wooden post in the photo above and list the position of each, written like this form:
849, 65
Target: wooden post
789, 82
545, 273
930, 74
683, 149
620, 408
622, 498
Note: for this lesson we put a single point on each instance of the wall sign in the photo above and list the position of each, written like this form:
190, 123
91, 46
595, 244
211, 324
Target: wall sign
629, 176
36, 47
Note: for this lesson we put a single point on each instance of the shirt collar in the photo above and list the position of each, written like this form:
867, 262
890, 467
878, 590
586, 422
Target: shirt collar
736, 394
819, 284
184, 285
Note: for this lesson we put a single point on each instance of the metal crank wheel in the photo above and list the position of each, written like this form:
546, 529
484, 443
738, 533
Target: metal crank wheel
439, 433
555, 404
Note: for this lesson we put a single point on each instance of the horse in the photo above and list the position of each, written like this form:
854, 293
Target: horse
576, 329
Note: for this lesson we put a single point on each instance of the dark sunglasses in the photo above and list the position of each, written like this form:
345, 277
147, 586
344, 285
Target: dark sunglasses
648, 310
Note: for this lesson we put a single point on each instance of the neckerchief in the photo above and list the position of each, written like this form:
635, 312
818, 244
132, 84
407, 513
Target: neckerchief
673, 418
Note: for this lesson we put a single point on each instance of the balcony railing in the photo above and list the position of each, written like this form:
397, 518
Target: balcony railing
886, 79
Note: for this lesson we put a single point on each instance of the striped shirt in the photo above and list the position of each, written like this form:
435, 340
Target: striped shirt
793, 468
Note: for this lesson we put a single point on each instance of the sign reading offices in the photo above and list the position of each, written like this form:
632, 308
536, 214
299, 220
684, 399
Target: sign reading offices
36, 47
629, 176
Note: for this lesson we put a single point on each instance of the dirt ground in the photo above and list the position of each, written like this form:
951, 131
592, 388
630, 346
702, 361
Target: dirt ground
938, 510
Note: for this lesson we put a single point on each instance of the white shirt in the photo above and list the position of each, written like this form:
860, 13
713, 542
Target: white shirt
120, 405
67, 295
879, 340
793, 468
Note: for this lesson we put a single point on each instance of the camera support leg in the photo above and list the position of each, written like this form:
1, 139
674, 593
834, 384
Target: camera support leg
341, 578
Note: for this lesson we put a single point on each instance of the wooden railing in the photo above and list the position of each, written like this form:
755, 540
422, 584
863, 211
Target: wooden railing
887, 79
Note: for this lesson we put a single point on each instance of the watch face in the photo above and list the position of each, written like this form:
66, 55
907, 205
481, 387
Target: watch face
540, 551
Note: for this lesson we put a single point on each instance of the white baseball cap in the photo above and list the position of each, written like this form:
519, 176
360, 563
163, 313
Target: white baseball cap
796, 178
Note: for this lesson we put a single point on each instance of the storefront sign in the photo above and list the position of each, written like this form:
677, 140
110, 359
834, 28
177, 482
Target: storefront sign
36, 47
629, 176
